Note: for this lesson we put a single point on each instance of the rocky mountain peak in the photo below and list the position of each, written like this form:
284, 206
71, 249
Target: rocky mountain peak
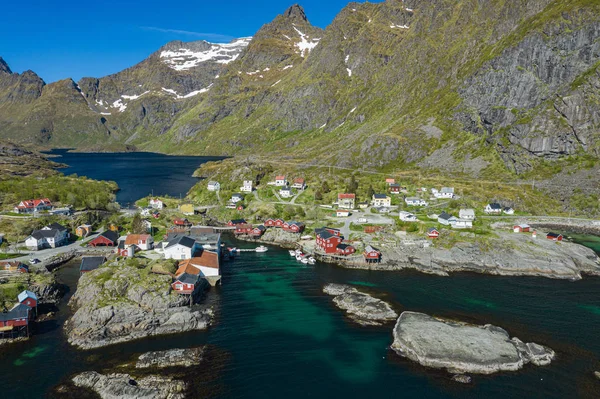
296, 12
4, 68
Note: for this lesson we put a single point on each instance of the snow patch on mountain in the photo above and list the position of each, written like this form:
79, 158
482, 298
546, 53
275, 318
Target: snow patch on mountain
222, 53
306, 44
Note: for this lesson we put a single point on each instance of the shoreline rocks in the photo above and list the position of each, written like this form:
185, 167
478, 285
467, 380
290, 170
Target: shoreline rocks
120, 303
360, 307
463, 348
171, 358
124, 386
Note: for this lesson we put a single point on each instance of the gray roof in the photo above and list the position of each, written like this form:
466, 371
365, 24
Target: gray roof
379, 196
182, 240
19, 311
447, 190
370, 248
41, 234
90, 263
187, 278
58, 227
495, 205
445, 216
111, 235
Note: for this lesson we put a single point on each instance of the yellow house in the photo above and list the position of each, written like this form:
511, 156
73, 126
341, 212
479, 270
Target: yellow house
187, 209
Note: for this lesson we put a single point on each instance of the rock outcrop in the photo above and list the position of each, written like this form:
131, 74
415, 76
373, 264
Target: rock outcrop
360, 307
171, 358
124, 386
463, 348
121, 302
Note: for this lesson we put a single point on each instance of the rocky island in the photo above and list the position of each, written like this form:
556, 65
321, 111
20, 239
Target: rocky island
171, 358
360, 307
463, 348
124, 386
123, 302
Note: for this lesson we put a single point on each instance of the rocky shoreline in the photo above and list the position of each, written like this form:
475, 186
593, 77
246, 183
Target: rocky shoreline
463, 348
124, 386
360, 307
278, 237
171, 358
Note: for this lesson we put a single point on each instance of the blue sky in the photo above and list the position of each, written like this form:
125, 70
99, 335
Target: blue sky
72, 38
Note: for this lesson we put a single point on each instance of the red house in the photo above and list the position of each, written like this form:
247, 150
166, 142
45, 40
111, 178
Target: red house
181, 222
107, 239
522, 228
372, 254
390, 180
235, 222
14, 266
394, 188
293, 227
185, 283
28, 298
328, 242
554, 237
258, 231
243, 229
34, 205
433, 233
16, 320
345, 249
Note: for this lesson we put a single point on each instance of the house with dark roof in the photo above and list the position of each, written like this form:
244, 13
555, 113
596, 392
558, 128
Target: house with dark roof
52, 236
293, 227
181, 247
89, 263
108, 238
185, 283
446, 219
345, 249
493, 208
372, 254
433, 233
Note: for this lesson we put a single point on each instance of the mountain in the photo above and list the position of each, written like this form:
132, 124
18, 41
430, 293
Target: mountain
482, 88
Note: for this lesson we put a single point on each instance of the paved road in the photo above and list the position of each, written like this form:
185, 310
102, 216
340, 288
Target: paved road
372, 218
45, 254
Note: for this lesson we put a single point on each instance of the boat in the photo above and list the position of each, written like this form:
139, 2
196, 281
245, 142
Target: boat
298, 252
292, 253
299, 257
262, 248
232, 250
312, 260
304, 260
306, 238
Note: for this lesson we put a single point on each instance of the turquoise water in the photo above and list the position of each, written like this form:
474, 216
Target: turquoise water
277, 335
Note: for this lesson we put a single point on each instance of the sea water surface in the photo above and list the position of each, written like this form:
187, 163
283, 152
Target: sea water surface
138, 174
276, 335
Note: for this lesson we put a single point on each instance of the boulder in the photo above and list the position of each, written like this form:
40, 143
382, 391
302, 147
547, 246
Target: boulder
360, 307
463, 348
124, 386
171, 358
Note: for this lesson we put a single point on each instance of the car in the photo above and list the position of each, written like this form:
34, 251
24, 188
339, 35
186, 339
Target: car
34, 261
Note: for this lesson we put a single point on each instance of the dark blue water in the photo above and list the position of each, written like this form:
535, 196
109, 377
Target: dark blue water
138, 174
277, 335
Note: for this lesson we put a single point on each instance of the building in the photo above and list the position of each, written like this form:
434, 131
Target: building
299, 183
331, 230
394, 188
89, 263
185, 284
187, 209
235, 222
156, 203
293, 227
280, 181
180, 222
258, 231
493, 208
445, 192
15, 322
346, 200
381, 200
522, 228
28, 299
508, 211
52, 236
286, 192
108, 238
345, 249
213, 186
414, 201
14, 266
462, 224
84, 230
407, 217
247, 186
144, 242
181, 247
205, 265
372, 254
243, 229
327, 241
446, 219
390, 181
237, 197
468, 214
433, 233
554, 236
341, 213
34, 205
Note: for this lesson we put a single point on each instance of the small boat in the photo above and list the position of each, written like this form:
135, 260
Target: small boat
312, 260
304, 260
262, 248
292, 253
306, 238
299, 257
298, 252
232, 250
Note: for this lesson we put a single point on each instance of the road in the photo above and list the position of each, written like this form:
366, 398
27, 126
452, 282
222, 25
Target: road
372, 218
45, 254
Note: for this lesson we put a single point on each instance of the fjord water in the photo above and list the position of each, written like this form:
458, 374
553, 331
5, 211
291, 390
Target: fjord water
277, 335
138, 174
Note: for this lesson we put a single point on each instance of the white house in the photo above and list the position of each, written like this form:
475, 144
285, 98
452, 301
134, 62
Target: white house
235, 198
286, 192
144, 242
182, 247
51, 236
468, 214
156, 203
463, 224
407, 217
213, 186
341, 213
493, 208
445, 192
381, 200
247, 187
299, 183
145, 211
446, 219
508, 211
280, 181
414, 201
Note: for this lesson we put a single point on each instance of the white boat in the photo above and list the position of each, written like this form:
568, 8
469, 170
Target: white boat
262, 248
292, 253
304, 260
312, 260
298, 252
306, 238
299, 257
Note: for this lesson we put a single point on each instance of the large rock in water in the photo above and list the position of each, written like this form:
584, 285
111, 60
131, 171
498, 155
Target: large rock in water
463, 348
123, 386
121, 303
171, 358
361, 307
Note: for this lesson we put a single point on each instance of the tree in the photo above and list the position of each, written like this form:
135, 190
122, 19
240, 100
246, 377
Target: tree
4, 247
137, 227
325, 187
318, 195
352, 186
370, 192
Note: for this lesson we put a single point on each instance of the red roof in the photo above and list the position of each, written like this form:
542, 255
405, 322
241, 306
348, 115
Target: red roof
299, 180
346, 196
134, 239
34, 203
279, 177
